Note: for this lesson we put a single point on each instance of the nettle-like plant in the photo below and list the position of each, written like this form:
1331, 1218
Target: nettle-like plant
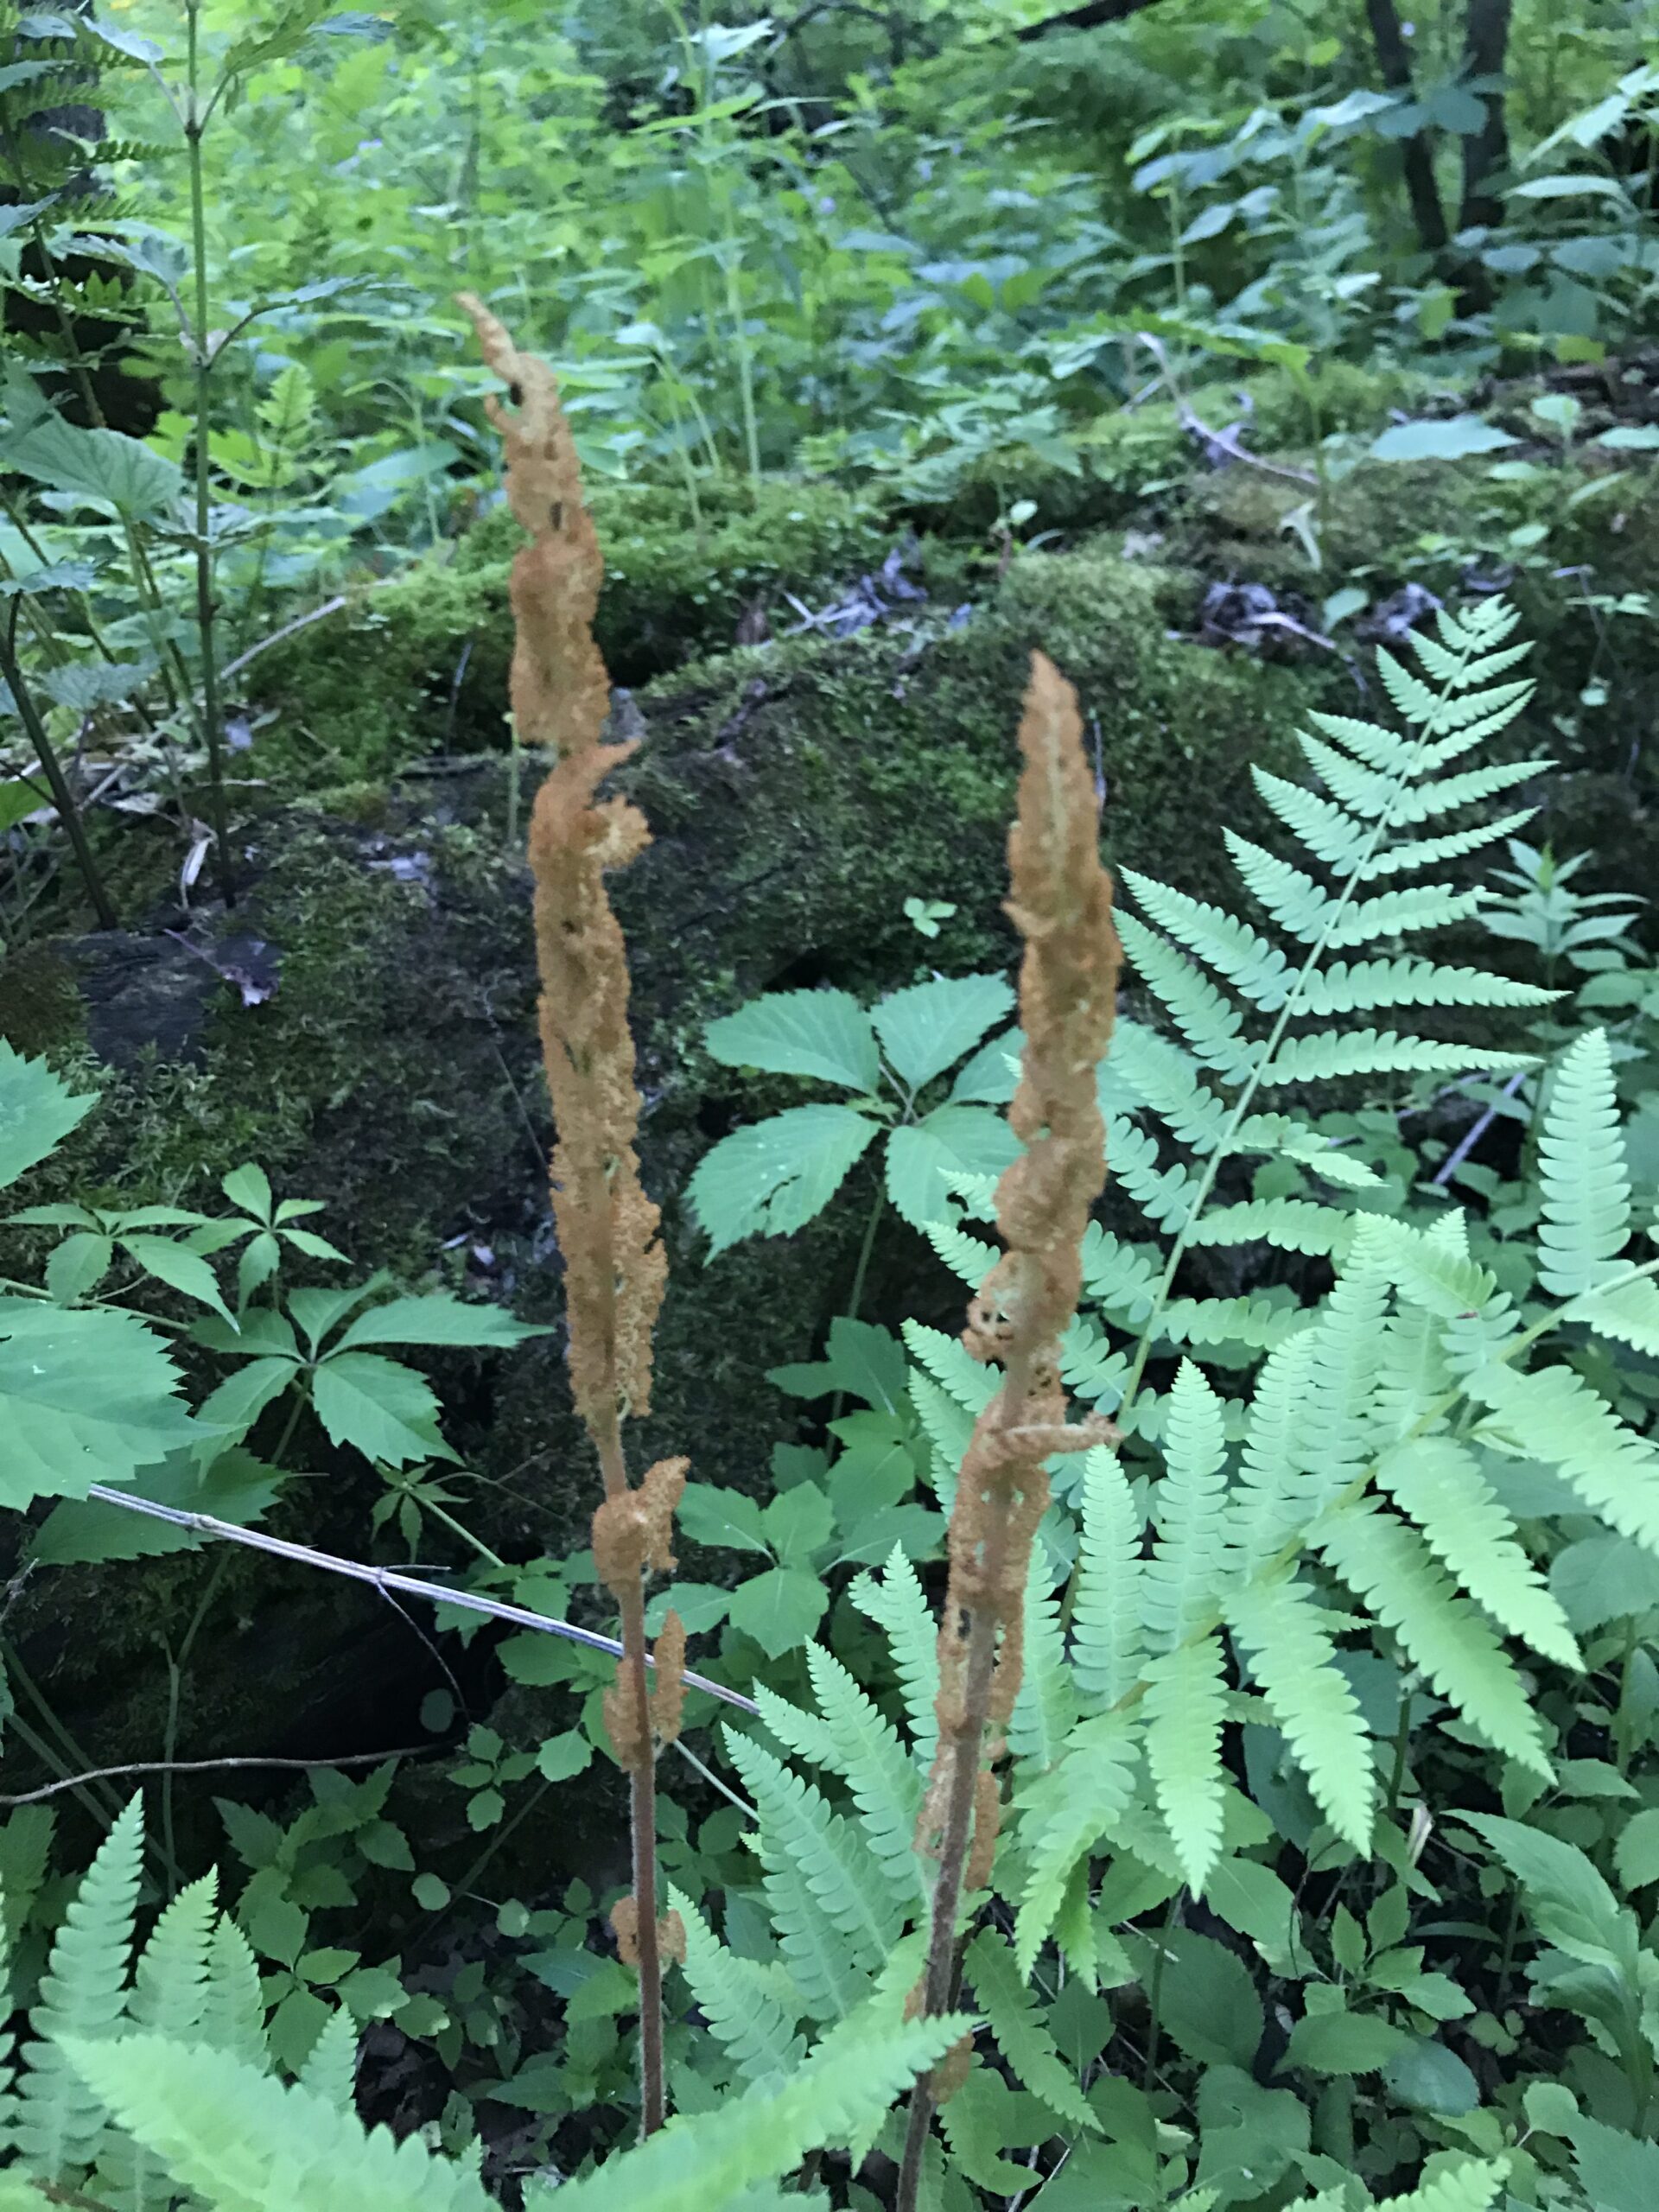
1317, 1554
773, 1177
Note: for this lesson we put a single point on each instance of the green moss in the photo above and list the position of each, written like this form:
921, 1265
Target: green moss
419, 664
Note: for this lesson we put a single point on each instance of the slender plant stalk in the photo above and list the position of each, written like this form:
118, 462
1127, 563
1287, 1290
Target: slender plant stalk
195, 123
615, 1267
1061, 904
63, 797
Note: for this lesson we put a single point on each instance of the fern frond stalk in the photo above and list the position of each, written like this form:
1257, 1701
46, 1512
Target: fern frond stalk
1061, 903
614, 1266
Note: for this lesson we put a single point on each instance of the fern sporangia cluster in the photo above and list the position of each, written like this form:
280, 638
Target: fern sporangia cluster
614, 1266
1061, 903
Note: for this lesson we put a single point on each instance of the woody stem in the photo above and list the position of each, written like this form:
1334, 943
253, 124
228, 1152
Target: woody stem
642, 1820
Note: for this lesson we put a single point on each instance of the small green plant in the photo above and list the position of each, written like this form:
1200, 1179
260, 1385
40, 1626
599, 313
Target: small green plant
773, 1178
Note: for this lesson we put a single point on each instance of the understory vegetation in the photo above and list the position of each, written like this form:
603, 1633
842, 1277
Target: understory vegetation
829, 1107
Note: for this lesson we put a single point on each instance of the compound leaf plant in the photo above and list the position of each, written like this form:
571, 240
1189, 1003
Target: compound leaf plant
773, 1177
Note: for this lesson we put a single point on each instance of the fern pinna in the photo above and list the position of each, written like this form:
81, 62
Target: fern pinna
1295, 1478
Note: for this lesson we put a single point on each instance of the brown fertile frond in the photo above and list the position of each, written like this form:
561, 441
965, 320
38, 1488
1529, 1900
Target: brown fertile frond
1060, 901
615, 1269
668, 1689
561, 693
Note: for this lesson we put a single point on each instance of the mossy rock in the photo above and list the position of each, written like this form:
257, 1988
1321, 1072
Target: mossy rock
417, 666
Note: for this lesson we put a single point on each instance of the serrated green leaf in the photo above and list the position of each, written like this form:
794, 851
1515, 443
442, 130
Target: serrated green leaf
386, 1411
927, 1028
821, 1033
771, 1179
37, 1111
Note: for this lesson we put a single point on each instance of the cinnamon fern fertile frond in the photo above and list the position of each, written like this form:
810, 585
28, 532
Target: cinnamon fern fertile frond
615, 1267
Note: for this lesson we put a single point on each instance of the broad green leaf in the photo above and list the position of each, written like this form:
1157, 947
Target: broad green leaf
179, 1269
1430, 2078
77, 1265
771, 1180
1453, 440
778, 1609
37, 1111
1620, 2173
385, 1411
1568, 185
236, 1487
1571, 1904
1343, 2042
232, 1408
713, 1513
85, 1397
1207, 1999
249, 1187
141, 484
437, 1319
1636, 1852
992, 1076
822, 1033
952, 1140
927, 1028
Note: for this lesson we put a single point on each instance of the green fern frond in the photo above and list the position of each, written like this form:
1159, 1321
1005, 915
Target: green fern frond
1553, 1414
801, 1836
1258, 1324
1393, 1570
60, 2121
1117, 1275
1404, 859
1327, 1054
1164, 1194
1269, 1504
1249, 962
233, 2012
1144, 1069
330, 2068
750, 2007
1021, 2033
1364, 985
948, 1361
1585, 1184
1189, 1557
1328, 831
1292, 1655
947, 1425
1472, 2185
968, 1258
1187, 1703
1210, 1021
238, 2138
1295, 901
706, 2164
897, 1606
1045, 1708
878, 1770
1437, 1482
1339, 1432
1627, 1312
802, 1733
1108, 1624
1064, 1813
170, 1986
1288, 1224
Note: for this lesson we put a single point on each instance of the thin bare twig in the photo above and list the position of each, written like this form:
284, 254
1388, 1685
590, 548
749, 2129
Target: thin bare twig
205, 1766
385, 1578
288, 629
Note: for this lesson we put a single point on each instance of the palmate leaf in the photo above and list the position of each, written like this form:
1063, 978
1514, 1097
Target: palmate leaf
1585, 1184
37, 1111
1288, 1638
771, 1179
821, 1033
924, 1158
382, 1409
927, 1028
1391, 1568
85, 1397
